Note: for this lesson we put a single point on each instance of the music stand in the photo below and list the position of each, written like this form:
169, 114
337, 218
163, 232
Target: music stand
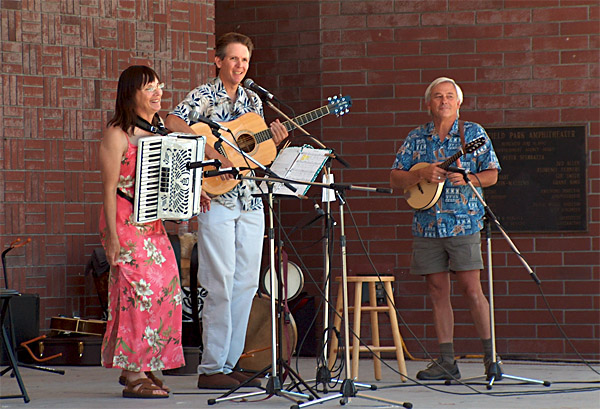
292, 162
323, 374
494, 372
274, 384
348, 387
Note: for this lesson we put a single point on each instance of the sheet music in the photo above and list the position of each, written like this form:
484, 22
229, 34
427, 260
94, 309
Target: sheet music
302, 163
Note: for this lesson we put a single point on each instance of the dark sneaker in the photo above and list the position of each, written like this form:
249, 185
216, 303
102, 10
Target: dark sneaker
438, 371
216, 381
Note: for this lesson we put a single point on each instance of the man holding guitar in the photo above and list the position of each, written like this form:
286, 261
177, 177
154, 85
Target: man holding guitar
230, 234
447, 230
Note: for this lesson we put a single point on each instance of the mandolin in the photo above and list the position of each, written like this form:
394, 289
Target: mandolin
78, 326
253, 136
424, 195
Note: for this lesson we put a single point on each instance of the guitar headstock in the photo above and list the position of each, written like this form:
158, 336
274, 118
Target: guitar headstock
339, 105
474, 144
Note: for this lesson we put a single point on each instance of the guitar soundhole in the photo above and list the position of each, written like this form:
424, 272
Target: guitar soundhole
246, 143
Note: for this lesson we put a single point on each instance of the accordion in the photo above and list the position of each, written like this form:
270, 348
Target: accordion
164, 186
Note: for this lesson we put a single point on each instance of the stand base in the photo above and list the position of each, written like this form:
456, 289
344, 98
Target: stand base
36, 367
323, 377
274, 387
494, 373
349, 390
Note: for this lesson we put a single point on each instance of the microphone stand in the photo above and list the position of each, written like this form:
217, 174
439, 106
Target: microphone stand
348, 387
305, 132
323, 374
494, 371
274, 384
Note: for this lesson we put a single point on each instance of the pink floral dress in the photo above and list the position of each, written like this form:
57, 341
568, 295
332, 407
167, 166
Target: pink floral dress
143, 332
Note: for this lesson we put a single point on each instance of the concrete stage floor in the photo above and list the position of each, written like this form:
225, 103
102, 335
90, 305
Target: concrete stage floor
573, 386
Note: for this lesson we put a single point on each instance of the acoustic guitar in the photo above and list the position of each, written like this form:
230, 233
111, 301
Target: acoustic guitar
424, 195
78, 326
253, 136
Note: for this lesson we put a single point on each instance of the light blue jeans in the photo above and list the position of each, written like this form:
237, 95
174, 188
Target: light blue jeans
229, 255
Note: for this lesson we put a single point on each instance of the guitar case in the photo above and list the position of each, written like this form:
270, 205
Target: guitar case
76, 349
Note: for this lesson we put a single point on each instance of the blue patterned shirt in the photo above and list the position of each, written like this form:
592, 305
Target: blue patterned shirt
457, 212
212, 101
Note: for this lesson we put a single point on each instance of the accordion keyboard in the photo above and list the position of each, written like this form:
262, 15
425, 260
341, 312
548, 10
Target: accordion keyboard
164, 187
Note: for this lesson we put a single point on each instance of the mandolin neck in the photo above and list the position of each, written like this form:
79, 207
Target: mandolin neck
444, 165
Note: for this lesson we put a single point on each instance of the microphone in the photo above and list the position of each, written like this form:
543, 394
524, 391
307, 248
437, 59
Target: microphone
458, 170
201, 164
196, 117
250, 84
309, 218
222, 171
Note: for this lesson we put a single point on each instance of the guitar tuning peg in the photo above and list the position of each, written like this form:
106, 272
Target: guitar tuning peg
329, 99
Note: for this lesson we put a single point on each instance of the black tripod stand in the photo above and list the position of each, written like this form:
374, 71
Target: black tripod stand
494, 371
348, 388
10, 344
278, 364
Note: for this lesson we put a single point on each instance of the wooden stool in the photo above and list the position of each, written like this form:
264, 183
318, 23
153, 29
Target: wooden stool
374, 309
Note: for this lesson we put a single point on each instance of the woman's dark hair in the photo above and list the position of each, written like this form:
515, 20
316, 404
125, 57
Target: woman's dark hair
131, 80
230, 38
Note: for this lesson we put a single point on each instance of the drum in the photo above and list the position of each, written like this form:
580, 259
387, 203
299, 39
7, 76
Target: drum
295, 282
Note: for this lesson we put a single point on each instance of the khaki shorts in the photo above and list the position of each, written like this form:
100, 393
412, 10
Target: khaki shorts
436, 255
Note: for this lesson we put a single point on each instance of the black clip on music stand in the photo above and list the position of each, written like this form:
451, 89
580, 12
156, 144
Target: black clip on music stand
494, 372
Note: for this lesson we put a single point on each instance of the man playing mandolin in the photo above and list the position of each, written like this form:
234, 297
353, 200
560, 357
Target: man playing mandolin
447, 231
230, 234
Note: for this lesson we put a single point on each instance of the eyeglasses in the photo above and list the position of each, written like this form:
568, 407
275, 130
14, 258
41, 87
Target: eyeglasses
152, 88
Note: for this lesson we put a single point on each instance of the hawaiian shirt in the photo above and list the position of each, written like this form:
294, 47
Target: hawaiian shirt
212, 101
458, 212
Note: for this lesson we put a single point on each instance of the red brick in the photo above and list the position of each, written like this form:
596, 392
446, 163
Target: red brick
560, 14
441, 19
368, 35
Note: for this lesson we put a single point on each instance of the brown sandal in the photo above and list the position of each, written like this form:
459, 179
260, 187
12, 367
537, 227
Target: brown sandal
158, 382
144, 391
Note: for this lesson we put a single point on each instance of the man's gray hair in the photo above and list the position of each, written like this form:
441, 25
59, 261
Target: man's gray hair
459, 93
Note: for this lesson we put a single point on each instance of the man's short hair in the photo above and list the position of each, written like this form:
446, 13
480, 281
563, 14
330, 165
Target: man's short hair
230, 38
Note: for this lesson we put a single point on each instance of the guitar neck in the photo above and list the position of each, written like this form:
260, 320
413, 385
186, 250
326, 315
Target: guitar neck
300, 120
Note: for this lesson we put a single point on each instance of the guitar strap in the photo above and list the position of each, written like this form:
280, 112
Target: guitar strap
461, 129
124, 196
147, 126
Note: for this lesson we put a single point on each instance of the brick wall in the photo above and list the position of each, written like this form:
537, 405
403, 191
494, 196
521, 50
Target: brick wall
519, 63
60, 66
